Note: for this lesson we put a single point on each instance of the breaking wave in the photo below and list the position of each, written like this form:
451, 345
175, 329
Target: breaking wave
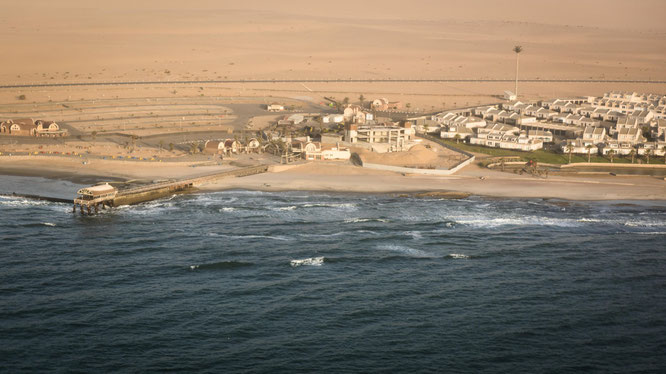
313, 261
360, 220
406, 251
458, 256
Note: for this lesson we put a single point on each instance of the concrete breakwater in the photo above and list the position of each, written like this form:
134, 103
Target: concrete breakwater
91, 202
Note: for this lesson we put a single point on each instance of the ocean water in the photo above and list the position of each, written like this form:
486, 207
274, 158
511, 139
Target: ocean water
243, 281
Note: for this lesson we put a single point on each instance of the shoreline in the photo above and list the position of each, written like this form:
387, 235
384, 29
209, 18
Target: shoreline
345, 178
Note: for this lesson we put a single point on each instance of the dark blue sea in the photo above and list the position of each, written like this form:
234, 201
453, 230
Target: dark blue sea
291, 282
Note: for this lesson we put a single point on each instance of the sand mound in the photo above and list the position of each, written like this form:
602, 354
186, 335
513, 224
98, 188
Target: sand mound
417, 156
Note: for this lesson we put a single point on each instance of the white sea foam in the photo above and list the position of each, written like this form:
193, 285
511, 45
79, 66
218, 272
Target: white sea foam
416, 235
291, 207
228, 209
652, 233
458, 256
313, 261
360, 220
48, 224
194, 267
408, 251
276, 237
329, 205
323, 235
492, 222
589, 220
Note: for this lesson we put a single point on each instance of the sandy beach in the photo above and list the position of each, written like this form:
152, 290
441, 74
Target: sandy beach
343, 177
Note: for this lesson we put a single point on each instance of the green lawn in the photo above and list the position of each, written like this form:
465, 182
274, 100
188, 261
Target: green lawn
541, 155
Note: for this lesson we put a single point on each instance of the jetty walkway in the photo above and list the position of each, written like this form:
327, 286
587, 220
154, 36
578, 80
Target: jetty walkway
154, 191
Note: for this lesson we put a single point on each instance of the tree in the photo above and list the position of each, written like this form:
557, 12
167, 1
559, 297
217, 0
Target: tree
457, 137
569, 149
517, 49
21, 97
171, 146
161, 145
94, 135
408, 105
589, 152
633, 155
647, 155
361, 99
611, 153
345, 101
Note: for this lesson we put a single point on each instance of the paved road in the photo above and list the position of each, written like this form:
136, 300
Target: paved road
250, 81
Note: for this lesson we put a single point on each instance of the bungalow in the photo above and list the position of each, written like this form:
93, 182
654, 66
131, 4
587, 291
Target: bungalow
589, 122
544, 136
631, 136
578, 146
456, 132
594, 135
618, 148
573, 119
613, 116
655, 148
542, 113
480, 111
600, 113
569, 108
508, 140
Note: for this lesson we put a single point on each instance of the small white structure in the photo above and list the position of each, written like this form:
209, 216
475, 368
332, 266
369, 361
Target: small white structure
333, 118
275, 108
510, 96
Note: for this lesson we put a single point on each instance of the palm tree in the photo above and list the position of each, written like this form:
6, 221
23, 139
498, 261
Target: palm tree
517, 49
647, 155
611, 153
457, 137
570, 148
589, 152
361, 99
633, 155
345, 101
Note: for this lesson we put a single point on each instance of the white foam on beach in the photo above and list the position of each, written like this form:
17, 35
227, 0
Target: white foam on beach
458, 256
313, 261
408, 251
360, 220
